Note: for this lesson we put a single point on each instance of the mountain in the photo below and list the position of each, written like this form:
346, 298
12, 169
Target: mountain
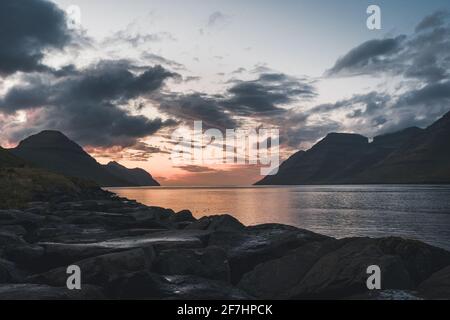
53, 151
8, 160
412, 155
137, 176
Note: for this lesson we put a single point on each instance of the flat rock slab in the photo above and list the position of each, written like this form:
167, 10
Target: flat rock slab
147, 285
44, 292
101, 270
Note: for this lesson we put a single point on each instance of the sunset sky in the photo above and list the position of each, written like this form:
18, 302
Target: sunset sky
134, 71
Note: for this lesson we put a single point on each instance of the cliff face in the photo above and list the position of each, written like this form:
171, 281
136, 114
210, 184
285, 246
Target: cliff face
412, 155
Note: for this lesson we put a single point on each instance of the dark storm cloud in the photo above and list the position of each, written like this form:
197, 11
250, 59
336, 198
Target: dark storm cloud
367, 57
86, 104
423, 55
367, 104
27, 29
266, 95
434, 20
197, 106
255, 99
430, 94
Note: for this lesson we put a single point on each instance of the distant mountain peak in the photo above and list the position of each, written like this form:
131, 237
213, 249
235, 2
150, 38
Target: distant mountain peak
411, 155
54, 151
49, 139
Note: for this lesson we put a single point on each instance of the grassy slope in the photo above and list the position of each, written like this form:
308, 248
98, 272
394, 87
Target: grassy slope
21, 183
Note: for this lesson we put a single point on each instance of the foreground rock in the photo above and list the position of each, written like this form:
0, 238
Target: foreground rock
437, 286
44, 292
130, 251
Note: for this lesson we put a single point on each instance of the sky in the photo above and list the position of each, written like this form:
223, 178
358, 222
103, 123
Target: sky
129, 74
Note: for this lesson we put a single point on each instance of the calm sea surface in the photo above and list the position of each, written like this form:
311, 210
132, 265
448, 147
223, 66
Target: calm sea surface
414, 211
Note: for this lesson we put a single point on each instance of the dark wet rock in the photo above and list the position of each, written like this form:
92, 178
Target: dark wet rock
437, 286
155, 213
210, 263
89, 205
17, 217
259, 244
147, 285
421, 259
100, 218
224, 223
9, 272
134, 251
182, 216
44, 292
390, 294
63, 254
18, 230
60, 232
101, 270
26, 256
160, 240
9, 238
276, 278
343, 271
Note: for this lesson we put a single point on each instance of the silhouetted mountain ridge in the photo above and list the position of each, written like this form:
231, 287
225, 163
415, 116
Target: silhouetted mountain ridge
53, 151
137, 176
412, 155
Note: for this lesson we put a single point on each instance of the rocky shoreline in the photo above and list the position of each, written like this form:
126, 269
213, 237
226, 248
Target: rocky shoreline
127, 250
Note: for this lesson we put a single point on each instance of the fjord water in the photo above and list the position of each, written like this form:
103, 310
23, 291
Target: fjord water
419, 212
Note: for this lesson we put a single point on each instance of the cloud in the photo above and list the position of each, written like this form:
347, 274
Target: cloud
157, 59
434, 20
253, 99
197, 169
217, 19
28, 29
88, 105
265, 95
141, 151
197, 106
136, 39
367, 57
420, 60
423, 55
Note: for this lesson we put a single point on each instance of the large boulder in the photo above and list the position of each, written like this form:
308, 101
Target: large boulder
258, 244
182, 217
421, 259
210, 263
224, 223
343, 272
276, 278
101, 270
44, 292
437, 286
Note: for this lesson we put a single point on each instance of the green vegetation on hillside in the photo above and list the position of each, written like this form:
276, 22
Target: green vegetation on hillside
18, 186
